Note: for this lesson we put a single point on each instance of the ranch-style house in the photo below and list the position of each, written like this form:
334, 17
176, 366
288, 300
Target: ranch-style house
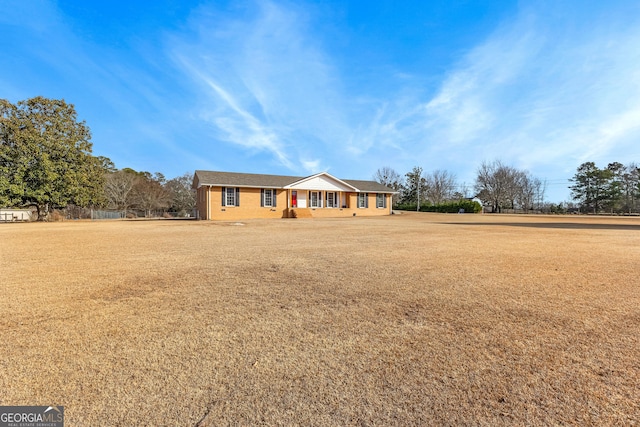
234, 196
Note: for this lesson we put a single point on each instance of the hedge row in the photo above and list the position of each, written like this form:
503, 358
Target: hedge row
451, 207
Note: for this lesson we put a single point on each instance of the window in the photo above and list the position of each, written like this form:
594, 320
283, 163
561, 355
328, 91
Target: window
315, 199
363, 200
230, 196
332, 199
268, 198
381, 200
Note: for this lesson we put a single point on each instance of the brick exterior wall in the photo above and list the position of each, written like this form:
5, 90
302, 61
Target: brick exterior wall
250, 206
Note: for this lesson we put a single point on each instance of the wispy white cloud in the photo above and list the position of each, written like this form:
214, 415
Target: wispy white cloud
271, 87
125, 103
553, 85
236, 122
543, 93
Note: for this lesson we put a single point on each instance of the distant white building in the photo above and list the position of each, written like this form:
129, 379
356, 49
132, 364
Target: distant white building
9, 214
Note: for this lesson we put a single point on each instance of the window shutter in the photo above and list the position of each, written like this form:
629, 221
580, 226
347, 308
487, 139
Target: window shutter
274, 199
262, 197
237, 196
224, 197
384, 201
366, 200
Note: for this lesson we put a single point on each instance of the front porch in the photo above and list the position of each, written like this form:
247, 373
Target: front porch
319, 212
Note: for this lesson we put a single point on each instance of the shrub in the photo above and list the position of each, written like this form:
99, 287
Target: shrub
447, 207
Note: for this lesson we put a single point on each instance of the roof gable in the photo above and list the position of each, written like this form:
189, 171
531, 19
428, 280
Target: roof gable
322, 181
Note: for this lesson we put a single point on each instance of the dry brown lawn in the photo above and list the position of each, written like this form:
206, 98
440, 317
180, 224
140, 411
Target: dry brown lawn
413, 319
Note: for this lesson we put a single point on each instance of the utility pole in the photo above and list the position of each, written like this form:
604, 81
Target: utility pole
418, 194
419, 177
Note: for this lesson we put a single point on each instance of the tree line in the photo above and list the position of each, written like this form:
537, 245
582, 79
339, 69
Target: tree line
46, 162
614, 189
128, 191
497, 185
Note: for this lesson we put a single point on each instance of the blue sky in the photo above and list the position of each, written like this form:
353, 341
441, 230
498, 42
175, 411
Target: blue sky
347, 87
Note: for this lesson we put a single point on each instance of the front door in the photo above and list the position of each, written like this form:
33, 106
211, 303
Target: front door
294, 199
301, 199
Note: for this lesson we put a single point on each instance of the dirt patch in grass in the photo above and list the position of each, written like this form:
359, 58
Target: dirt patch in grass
413, 319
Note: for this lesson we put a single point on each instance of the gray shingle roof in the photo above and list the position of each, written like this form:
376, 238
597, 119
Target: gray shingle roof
235, 179
369, 186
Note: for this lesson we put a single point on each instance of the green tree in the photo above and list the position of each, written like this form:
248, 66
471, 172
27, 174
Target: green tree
591, 186
615, 186
415, 188
10, 187
45, 156
631, 187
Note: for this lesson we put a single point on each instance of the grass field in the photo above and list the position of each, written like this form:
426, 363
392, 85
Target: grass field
413, 319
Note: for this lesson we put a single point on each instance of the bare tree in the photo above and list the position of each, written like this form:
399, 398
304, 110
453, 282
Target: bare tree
512, 178
529, 188
490, 184
149, 194
183, 197
462, 192
540, 189
392, 179
506, 187
440, 186
118, 186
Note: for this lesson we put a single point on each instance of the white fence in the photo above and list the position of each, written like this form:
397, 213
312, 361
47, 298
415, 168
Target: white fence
9, 215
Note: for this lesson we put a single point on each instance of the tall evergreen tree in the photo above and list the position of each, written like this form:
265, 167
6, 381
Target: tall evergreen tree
591, 186
631, 187
415, 187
